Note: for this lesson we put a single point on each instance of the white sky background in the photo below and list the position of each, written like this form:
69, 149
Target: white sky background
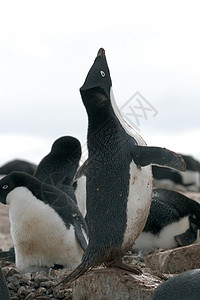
47, 48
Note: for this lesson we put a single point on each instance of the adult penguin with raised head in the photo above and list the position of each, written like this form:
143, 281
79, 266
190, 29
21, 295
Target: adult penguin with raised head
59, 167
46, 225
118, 175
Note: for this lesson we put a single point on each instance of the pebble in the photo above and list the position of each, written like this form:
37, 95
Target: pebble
35, 286
40, 278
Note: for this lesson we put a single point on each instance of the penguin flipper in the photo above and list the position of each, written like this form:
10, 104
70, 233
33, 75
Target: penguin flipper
188, 237
144, 155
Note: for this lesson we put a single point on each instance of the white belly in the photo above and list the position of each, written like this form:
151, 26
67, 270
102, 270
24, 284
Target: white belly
39, 234
80, 194
139, 201
163, 240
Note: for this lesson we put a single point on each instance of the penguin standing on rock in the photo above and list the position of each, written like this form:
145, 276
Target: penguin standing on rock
59, 167
174, 220
118, 175
46, 225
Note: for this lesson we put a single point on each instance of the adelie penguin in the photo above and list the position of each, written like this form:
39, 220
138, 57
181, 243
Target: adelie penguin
118, 175
46, 225
59, 167
174, 220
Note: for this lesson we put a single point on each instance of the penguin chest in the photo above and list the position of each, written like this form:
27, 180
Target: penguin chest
39, 234
138, 204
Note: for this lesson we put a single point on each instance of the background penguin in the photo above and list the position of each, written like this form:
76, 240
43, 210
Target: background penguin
58, 168
79, 185
174, 220
4, 293
18, 165
46, 225
185, 286
119, 179
190, 179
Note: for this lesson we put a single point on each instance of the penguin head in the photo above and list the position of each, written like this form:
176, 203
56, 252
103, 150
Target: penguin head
10, 182
7, 184
69, 147
95, 91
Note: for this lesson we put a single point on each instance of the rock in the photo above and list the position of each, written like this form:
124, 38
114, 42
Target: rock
47, 284
21, 290
11, 286
30, 296
40, 278
9, 271
59, 294
113, 283
175, 260
26, 277
41, 291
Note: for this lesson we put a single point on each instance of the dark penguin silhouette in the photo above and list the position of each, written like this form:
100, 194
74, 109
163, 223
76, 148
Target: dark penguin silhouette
4, 293
46, 225
189, 179
118, 175
185, 286
174, 220
18, 165
59, 167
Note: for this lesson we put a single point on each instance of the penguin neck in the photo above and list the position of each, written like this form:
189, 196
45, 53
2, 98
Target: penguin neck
98, 107
100, 118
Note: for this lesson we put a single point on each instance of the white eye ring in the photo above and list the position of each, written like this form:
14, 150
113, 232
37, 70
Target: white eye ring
5, 187
102, 73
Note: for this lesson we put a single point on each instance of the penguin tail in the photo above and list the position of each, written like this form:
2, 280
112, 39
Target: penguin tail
92, 257
82, 268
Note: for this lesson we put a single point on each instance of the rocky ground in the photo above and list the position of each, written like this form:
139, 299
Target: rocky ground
100, 283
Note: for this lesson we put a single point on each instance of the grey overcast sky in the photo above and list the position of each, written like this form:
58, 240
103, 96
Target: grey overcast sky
47, 48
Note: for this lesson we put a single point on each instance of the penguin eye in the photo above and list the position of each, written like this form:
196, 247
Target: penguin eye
102, 73
4, 187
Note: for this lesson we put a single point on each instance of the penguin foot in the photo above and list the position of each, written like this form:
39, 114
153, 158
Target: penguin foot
123, 266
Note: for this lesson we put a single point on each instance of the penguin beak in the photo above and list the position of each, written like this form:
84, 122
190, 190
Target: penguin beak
101, 53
